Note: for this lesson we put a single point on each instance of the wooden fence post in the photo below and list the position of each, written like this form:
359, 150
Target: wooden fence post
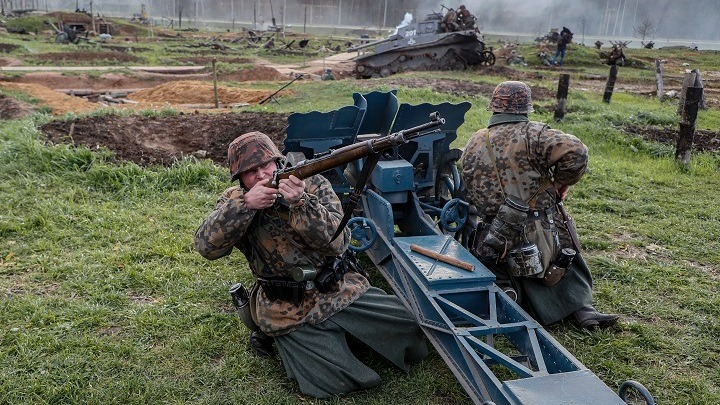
562, 93
215, 86
659, 78
691, 79
687, 124
610, 83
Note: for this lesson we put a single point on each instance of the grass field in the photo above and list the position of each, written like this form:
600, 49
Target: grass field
103, 299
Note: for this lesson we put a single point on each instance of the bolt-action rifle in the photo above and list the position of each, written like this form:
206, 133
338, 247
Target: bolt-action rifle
337, 157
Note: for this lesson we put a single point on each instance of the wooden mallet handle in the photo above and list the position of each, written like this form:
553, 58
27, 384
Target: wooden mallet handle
443, 258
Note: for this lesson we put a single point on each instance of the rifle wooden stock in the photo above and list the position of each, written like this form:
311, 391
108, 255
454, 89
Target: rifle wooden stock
350, 153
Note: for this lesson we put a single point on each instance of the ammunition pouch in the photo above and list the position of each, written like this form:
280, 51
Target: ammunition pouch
283, 289
326, 281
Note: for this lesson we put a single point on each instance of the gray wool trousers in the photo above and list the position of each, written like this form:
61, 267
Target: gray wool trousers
318, 356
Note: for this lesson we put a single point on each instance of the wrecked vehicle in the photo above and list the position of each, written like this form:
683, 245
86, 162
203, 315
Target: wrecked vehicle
423, 46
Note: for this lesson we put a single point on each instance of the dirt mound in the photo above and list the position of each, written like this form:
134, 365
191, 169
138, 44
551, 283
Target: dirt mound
11, 109
703, 141
87, 56
10, 62
77, 17
257, 73
138, 80
155, 140
207, 60
341, 70
195, 92
58, 102
7, 48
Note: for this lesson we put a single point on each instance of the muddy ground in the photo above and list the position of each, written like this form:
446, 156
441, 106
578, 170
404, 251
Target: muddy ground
703, 140
150, 140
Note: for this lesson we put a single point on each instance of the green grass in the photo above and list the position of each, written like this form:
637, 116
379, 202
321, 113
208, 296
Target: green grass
103, 300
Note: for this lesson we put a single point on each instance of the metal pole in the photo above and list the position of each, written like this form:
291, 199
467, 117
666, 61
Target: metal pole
339, 11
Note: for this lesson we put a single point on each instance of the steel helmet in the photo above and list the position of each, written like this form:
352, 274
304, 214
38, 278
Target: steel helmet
250, 151
511, 98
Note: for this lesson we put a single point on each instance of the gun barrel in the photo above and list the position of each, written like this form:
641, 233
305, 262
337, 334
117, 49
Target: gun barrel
369, 44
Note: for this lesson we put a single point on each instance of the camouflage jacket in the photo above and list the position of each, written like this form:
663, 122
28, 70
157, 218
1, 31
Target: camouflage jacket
278, 239
529, 157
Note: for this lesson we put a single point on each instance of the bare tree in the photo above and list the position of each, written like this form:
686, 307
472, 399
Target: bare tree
646, 28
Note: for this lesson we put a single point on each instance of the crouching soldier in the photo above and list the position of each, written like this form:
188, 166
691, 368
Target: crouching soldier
309, 292
518, 173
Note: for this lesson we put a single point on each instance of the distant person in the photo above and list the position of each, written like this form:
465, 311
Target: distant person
328, 75
617, 56
450, 21
466, 20
564, 39
310, 294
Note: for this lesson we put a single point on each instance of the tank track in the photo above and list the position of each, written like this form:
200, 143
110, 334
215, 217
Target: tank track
403, 62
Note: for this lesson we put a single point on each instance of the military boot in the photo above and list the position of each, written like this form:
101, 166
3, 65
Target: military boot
262, 344
589, 318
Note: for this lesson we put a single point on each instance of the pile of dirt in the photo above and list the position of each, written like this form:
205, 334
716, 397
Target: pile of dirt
6, 61
257, 73
7, 48
163, 140
58, 102
196, 92
137, 80
86, 56
703, 141
207, 60
11, 108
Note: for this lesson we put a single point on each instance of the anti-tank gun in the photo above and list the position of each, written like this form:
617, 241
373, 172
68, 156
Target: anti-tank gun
494, 348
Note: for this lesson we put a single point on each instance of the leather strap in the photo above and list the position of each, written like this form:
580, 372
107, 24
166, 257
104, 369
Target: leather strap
354, 197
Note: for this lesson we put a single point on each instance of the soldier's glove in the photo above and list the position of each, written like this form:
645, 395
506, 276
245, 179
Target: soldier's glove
262, 344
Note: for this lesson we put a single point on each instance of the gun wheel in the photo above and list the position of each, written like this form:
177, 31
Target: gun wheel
488, 58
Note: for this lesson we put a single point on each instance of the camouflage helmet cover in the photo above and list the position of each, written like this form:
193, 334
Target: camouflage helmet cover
511, 97
250, 151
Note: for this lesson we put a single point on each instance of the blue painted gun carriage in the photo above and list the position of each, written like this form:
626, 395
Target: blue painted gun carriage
410, 206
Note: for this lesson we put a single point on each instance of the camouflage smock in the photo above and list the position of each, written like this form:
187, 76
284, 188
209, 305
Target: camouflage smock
529, 156
277, 239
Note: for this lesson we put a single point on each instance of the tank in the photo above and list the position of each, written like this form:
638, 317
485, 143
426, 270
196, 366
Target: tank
423, 46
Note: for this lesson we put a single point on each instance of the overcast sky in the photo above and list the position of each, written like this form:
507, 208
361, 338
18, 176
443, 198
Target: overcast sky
669, 19
696, 19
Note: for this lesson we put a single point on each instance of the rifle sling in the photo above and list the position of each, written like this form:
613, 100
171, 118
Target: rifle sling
354, 197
